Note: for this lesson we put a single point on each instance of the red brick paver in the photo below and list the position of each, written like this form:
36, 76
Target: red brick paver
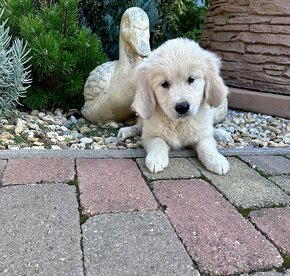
275, 223
112, 185
217, 237
31, 171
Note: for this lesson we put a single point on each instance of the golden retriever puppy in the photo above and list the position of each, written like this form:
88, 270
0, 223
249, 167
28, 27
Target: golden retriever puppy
177, 85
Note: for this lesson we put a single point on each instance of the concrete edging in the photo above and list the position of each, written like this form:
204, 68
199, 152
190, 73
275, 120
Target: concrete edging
262, 102
133, 153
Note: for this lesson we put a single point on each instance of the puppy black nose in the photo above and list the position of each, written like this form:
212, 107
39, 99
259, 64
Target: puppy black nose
182, 108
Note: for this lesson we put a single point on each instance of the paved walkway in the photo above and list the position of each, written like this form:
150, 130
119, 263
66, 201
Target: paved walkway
102, 213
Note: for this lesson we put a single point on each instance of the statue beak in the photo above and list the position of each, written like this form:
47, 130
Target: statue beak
140, 42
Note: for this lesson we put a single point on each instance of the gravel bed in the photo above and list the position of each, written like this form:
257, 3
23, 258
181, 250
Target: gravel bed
58, 130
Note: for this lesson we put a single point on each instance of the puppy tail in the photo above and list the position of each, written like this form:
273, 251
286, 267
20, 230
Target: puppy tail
144, 101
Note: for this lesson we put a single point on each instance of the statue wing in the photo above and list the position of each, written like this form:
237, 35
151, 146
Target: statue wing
99, 80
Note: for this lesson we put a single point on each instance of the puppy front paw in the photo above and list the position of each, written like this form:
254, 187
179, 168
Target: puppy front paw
156, 162
217, 164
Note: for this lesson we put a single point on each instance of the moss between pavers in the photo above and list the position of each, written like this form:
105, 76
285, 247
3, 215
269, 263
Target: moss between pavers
286, 263
246, 212
83, 217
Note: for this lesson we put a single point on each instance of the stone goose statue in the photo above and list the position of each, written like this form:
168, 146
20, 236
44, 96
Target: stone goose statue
109, 90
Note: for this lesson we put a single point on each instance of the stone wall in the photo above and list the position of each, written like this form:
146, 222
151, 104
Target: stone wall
253, 39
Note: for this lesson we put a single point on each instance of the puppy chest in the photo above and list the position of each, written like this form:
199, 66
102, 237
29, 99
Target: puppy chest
181, 136
177, 133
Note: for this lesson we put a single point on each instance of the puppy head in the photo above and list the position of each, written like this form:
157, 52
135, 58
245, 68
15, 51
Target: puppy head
179, 76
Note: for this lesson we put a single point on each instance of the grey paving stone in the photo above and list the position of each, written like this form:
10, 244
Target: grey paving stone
180, 168
112, 185
138, 243
35, 170
215, 234
40, 232
275, 223
244, 187
283, 181
2, 167
270, 165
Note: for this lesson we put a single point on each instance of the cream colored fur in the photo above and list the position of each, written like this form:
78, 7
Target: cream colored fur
177, 72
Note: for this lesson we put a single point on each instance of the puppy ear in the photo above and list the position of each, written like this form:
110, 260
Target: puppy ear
215, 89
144, 101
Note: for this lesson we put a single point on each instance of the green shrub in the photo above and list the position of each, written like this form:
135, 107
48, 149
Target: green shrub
62, 53
14, 73
179, 18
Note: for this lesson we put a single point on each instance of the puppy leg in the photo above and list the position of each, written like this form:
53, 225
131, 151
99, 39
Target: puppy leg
131, 131
222, 135
210, 157
157, 154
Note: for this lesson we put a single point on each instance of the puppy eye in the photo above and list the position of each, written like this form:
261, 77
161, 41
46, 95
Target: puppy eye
190, 80
165, 84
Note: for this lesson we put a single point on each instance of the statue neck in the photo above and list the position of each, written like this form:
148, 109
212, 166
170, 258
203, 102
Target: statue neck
127, 55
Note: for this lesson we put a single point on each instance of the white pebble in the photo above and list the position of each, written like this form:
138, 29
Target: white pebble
60, 138
86, 140
55, 147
